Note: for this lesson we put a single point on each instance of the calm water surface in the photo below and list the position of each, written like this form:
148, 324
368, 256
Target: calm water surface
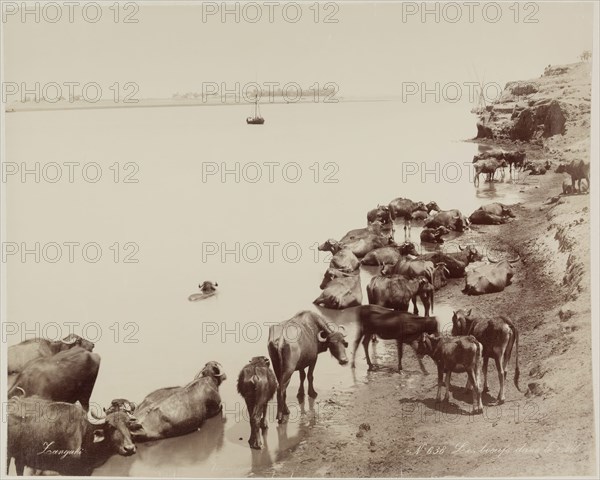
177, 218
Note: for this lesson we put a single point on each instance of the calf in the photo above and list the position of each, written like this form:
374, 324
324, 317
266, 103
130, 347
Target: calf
257, 384
454, 354
389, 324
434, 235
497, 336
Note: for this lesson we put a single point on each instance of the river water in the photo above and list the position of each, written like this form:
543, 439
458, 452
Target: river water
148, 244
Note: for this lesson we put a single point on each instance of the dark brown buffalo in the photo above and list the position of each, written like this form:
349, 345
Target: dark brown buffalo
434, 235
68, 376
403, 208
411, 268
64, 438
389, 325
343, 259
22, 353
497, 336
389, 255
174, 411
295, 344
381, 214
397, 291
458, 355
579, 170
455, 262
453, 220
257, 384
516, 158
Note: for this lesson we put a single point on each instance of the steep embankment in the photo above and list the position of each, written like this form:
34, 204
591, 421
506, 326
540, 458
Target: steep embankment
390, 426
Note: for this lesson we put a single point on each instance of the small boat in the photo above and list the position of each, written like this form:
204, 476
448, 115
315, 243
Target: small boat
256, 119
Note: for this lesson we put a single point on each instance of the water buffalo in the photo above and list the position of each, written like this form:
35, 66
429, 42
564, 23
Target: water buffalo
22, 353
208, 287
174, 411
579, 170
381, 214
340, 290
404, 208
516, 158
68, 376
492, 214
497, 336
343, 259
397, 291
390, 324
488, 166
389, 255
454, 354
64, 438
257, 384
362, 240
295, 344
453, 220
440, 276
411, 268
434, 235
455, 262
490, 278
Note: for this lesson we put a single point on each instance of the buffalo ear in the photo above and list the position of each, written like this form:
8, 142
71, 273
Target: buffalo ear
98, 435
469, 312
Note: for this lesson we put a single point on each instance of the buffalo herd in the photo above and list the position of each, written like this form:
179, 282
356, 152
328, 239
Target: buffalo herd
56, 378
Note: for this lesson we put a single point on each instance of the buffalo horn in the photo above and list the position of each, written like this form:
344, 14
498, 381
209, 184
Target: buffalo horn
322, 336
516, 259
93, 420
71, 341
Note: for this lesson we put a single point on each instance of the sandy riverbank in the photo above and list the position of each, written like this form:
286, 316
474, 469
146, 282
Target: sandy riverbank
548, 428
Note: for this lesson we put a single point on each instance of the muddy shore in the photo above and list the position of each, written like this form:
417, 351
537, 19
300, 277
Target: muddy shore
391, 427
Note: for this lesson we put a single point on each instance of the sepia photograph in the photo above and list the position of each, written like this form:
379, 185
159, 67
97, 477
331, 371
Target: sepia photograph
318, 239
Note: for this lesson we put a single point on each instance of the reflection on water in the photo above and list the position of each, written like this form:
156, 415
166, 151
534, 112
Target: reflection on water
174, 210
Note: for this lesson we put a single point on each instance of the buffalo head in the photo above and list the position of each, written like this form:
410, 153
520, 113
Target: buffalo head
73, 340
562, 168
506, 211
432, 206
214, 370
420, 206
335, 341
408, 248
121, 405
114, 430
473, 254
261, 361
330, 245
460, 322
427, 343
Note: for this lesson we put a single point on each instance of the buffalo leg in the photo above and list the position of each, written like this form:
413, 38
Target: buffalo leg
447, 394
301, 389
263, 421
438, 397
282, 408
19, 466
485, 378
365, 341
356, 343
477, 405
252, 410
419, 359
311, 389
501, 378
415, 308
400, 346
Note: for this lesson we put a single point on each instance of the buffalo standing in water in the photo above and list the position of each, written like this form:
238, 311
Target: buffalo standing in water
173, 411
257, 384
295, 344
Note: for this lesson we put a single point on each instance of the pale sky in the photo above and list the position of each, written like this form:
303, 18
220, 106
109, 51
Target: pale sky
370, 51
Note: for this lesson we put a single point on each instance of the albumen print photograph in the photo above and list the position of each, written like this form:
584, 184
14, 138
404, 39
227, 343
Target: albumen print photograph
322, 239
